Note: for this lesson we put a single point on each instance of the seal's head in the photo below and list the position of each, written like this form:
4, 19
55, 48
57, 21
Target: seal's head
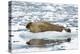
28, 43
28, 25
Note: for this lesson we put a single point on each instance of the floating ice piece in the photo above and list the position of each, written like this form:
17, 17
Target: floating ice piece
48, 35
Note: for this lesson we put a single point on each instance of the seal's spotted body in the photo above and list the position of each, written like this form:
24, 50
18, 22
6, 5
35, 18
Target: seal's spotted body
45, 26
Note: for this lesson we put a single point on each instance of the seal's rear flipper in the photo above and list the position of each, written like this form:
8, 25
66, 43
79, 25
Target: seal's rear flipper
68, 40
68, 30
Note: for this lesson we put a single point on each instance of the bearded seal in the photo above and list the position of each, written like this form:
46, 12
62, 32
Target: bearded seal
45, 26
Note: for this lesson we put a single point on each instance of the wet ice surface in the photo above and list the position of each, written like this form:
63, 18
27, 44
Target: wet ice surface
64, 46
25, 12
23, 37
